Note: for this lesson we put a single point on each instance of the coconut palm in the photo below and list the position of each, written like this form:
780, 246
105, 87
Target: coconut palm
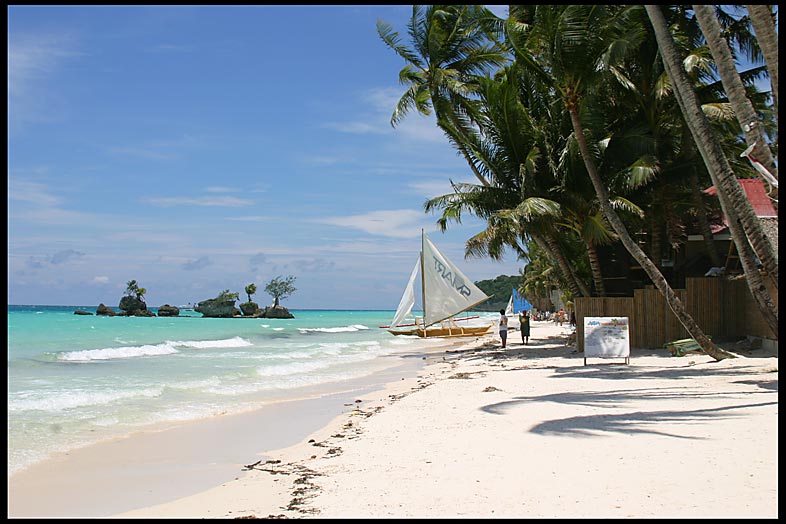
250, 290
506, 149
735, 90
733, 200
449, 47
573, 48
767, 36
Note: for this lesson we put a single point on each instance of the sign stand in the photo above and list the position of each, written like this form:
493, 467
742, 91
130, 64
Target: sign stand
606, 337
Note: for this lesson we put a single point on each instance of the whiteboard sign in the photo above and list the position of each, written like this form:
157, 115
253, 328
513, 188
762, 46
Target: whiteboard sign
606, 337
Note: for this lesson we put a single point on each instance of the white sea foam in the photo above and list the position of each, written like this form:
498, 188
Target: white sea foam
77, 399
341, 329
122, 352
291, 368
147, 350
235, 342
70, 385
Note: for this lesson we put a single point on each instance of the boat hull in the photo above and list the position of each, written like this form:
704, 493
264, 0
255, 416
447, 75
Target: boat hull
445, 331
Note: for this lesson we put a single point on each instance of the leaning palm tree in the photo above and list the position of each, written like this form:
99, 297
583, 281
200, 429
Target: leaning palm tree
449, 47
507, 150
767, 36
572, 48
733, 200
735, 89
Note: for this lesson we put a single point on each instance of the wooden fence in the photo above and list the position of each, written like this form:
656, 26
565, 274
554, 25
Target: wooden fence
723, 309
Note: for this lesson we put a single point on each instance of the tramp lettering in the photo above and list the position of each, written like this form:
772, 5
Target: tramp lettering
455, 281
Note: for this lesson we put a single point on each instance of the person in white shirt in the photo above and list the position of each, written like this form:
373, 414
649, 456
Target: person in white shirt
503, 327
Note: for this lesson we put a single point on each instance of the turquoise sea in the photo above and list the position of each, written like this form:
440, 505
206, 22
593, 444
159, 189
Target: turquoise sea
76, 379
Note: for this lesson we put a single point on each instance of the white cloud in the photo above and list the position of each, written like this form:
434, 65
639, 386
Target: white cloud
225, 201
402, 223
32, 58
32, 192
200, 263
355, 128
382, 101
250, 218
101, 280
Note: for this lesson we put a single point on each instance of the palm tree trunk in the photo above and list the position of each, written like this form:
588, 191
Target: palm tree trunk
764, 26
656, 242
721, 173
704, 223
689, 152
732, 84
728, 188
652, 271
597, 273
579, 288
548, 245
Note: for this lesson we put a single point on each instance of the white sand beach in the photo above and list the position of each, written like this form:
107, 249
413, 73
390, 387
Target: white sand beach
527, 432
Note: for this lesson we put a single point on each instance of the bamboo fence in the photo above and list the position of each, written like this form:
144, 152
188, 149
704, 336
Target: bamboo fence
723, 309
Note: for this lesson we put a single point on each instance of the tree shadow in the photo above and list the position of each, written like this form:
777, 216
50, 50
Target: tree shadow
639, 422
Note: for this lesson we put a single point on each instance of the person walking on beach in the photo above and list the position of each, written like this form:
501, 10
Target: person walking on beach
524, 321
503, 327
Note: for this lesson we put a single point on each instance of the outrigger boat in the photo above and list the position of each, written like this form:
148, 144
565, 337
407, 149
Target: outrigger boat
446, 292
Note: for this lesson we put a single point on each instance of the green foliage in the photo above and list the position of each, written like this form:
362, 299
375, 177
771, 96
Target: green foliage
280, 288
250, 290
133, 290
226, 296
499, 290
131, 287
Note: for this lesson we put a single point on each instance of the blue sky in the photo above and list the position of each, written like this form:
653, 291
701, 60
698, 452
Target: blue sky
202, 148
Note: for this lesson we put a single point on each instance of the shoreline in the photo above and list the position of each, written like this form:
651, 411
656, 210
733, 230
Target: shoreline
171, 461
526, 431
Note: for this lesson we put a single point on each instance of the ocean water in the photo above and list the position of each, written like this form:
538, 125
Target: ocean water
75, 379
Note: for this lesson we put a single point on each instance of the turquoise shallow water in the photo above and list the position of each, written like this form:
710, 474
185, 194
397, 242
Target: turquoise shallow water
75, 379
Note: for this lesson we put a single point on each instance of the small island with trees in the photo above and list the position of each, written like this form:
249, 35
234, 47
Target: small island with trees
132, 304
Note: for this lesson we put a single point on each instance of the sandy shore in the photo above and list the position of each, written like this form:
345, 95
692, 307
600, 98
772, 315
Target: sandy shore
172, 461
529, 431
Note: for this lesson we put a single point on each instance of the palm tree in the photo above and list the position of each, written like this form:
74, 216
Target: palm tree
250, 290
571, 47
133, 289
735, 90
540, 276
731, 196
764, 24
450, 47
506, 150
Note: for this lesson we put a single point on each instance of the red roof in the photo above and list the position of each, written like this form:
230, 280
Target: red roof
756, 193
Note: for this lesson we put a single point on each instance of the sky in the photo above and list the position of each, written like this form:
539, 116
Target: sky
201, 148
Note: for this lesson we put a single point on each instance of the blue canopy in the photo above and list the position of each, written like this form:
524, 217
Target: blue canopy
520, 303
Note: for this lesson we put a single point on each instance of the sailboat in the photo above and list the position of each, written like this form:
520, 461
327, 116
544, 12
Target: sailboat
517, 304
446, 293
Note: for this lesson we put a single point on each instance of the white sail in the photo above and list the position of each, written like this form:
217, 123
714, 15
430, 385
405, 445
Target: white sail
509, 308
446, 291
407, 299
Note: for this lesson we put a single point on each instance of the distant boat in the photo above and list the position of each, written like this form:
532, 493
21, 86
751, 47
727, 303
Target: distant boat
517, 304
446, 293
